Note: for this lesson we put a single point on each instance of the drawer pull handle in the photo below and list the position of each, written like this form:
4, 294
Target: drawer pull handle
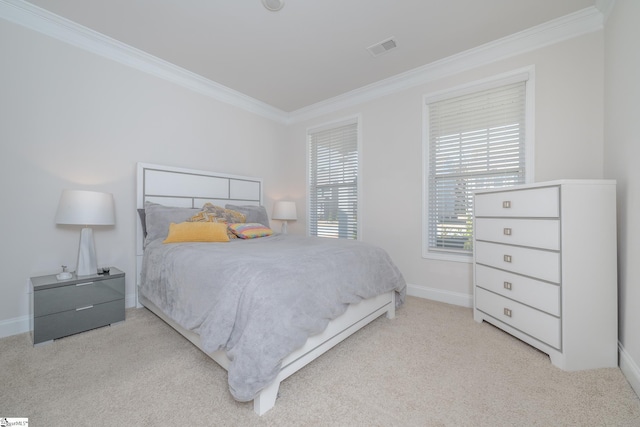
84, 308
84, 284
507, 231
507, 258
507, 312
507, 285
506, 204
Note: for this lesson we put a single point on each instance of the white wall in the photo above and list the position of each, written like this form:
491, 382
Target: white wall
568, 144
72, 119
621, 155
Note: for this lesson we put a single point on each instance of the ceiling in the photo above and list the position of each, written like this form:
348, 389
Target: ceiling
310, 50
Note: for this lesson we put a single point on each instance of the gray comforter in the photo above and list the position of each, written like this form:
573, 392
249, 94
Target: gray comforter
260, 299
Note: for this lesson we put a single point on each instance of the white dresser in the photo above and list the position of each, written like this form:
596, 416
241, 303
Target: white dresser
545, 268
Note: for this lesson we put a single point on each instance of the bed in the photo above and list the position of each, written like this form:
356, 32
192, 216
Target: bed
262, 308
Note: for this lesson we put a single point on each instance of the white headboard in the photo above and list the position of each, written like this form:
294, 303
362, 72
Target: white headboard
171, 186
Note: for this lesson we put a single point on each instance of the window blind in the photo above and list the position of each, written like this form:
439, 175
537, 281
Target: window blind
333, 181
475, 141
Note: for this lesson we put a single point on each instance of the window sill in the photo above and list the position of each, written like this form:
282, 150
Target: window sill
447, 256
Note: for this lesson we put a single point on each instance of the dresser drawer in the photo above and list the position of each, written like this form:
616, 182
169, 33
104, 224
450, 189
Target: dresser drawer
71, 297
539, 325
541, 295
537, 202
74, 321
537, 233
540, 264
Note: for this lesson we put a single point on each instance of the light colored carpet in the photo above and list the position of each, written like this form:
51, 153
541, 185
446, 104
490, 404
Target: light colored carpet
431, 366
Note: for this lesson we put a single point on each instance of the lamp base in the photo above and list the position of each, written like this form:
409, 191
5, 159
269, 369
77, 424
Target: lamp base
87, 264
283, 230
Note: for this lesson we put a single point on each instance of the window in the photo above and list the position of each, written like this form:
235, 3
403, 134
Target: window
474, 140
333, 180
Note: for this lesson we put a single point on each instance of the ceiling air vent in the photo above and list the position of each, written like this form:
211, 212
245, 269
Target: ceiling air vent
382, 47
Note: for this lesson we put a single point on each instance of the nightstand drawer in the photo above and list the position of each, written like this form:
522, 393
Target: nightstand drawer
534, 203
541, 264
71, 297
541, 295
539, 325
537, 233
74, 321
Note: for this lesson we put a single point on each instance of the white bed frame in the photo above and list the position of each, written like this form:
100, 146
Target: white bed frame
172, 186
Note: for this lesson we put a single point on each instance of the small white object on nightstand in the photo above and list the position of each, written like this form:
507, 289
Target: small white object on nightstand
65, 275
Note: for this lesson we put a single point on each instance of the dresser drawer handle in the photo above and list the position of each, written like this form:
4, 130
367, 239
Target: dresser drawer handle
507, 231
84, 284
506, 204
507, 312
507, 258
84, 308
507, 285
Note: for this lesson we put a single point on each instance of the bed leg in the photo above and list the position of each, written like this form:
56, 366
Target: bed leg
266, 399
391, 312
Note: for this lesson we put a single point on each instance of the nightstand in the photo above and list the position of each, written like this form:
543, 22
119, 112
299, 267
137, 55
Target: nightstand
65, 307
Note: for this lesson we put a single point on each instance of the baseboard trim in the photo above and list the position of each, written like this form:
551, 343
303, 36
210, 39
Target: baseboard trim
440, 295
130, 300
629, 368
15, 326
19, 325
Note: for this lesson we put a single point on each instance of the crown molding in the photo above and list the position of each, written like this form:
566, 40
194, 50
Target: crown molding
605, 7
35, 18
573, 25
40, 20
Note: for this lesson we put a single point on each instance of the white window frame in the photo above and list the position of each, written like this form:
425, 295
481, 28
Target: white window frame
357, 120
525, 74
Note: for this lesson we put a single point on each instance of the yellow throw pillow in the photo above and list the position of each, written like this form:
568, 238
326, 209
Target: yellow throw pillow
197, 232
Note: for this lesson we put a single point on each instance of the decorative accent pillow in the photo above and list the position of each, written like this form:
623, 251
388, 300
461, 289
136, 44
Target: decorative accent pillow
230, 216
197, 232
252, 213
158, 217
203, 216
213, 213
250, 230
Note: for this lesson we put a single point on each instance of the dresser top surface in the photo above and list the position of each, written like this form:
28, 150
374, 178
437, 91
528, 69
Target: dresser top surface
555, 183
51, 281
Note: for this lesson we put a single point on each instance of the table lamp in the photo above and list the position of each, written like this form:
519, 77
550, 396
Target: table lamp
78, 207
284, 211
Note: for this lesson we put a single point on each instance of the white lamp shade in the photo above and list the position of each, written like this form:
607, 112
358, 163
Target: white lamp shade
285, 211
80, 207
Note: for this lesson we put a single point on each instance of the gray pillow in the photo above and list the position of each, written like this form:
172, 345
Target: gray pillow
158, 217
143, 221
253, 213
